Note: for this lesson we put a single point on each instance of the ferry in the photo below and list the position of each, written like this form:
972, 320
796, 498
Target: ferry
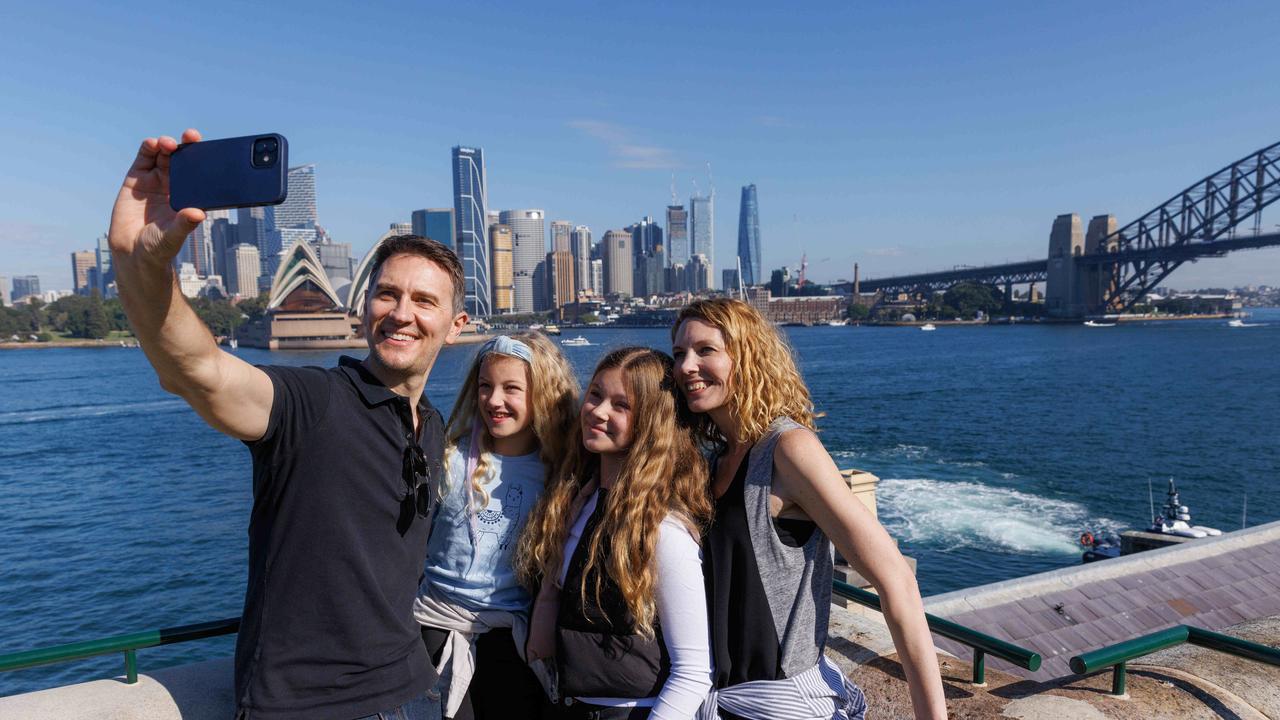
928, 326
551, 329
575, 342
1095, 323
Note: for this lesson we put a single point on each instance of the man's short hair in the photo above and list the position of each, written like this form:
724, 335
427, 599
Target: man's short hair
436, 252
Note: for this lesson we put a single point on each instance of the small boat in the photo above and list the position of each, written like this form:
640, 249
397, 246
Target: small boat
837, 323
1174, 520
1095, 323
575, 342
551, 329
928, 326
233, 343
1241, 323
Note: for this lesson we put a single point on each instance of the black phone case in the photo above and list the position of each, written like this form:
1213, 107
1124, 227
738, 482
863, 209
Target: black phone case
216, 174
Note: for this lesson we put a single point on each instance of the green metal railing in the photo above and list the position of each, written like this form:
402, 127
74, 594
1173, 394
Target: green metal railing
128, 644
981, 644
1117, 655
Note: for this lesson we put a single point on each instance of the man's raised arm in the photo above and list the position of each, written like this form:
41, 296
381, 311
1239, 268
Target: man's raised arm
230, 394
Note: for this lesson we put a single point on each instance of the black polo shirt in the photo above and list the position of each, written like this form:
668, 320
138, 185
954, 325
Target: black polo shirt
334, 561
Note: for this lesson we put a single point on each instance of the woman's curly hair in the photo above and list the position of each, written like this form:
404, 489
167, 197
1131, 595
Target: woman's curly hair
764, 383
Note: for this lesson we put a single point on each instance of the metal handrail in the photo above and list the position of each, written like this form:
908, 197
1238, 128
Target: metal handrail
981, 643
128, 644
1119, 654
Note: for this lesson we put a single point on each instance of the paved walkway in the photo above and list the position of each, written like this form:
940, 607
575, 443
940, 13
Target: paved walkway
1210, 583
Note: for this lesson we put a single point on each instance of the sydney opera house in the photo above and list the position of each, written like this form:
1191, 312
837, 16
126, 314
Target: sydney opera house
305, 310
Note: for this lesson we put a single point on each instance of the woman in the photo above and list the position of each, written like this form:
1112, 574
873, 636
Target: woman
514, 416
779, 504
614, 545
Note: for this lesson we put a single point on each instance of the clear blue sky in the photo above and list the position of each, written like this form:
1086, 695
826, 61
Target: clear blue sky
903, 136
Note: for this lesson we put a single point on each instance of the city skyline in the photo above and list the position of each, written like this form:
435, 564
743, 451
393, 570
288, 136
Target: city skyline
907, 139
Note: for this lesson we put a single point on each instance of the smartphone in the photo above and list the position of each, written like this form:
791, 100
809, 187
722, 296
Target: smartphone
234, 172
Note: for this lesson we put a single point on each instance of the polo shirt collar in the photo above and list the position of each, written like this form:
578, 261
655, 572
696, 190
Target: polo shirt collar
369, 386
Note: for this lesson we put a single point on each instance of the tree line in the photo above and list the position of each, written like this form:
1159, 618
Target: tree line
92, 317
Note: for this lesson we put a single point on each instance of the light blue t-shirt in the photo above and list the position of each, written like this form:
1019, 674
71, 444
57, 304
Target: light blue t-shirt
480, 576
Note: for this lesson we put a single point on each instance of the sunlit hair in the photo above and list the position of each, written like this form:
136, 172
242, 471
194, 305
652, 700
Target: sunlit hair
662, 473
552, 398
764, 383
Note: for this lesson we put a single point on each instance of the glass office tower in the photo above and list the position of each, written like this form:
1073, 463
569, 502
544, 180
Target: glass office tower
470, 209
749, 237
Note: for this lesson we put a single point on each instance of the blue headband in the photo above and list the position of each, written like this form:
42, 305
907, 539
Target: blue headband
506, 345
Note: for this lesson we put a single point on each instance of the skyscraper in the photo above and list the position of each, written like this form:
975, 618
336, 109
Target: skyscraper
242, 276
646, 238
617, 255
437, 224
105, 276
299, 208
560, 232
677, 245
528, 248
222, 235
580, 248
470, 212
560, 278
749, 237
254, 223
24, 285
500, 254
702, 226
81, 262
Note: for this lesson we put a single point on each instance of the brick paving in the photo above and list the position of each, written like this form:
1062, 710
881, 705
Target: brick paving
1210, 592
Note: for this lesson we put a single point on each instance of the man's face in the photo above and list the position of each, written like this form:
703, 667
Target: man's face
409, 315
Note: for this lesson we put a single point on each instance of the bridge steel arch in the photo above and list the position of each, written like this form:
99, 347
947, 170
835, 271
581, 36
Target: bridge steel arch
1156, 244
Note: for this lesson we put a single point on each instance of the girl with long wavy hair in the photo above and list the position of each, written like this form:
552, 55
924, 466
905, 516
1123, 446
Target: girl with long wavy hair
780, 503
506, 438
614, 545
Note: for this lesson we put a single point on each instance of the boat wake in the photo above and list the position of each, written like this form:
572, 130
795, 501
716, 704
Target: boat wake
970, 515
76, 412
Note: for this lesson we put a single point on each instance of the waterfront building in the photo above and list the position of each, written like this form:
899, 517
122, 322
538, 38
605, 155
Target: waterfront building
25, 286
304, 311
299, 209
471, 214
699, 274
222, 237
646, 238
729, 280
528, 248
649, 276
561, 231
335, 258
435, 223
677, 246
253, 224
82, 261
702, 226
749, 237
597, 276
580, 247
104, 277
541, 287
617, 255
560, 278
242, 279
500, 254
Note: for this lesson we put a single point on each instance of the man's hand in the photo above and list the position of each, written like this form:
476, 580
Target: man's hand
142, 223
230, 394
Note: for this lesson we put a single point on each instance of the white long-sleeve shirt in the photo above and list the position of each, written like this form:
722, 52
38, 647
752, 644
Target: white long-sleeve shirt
681, 601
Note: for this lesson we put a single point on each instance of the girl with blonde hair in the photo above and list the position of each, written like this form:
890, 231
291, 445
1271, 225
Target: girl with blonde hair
614, 545
506, 438
780, 503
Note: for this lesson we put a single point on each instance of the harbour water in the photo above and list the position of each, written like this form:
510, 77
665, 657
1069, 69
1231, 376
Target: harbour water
120, 510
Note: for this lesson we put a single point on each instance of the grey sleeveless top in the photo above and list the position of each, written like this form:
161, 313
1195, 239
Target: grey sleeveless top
797, 580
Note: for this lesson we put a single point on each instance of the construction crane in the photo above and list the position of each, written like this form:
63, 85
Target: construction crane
804, 265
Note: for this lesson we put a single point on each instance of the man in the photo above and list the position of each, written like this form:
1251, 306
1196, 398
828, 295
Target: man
341, 458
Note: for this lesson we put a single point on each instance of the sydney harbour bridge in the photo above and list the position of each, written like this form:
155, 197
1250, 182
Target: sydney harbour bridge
1105, 270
